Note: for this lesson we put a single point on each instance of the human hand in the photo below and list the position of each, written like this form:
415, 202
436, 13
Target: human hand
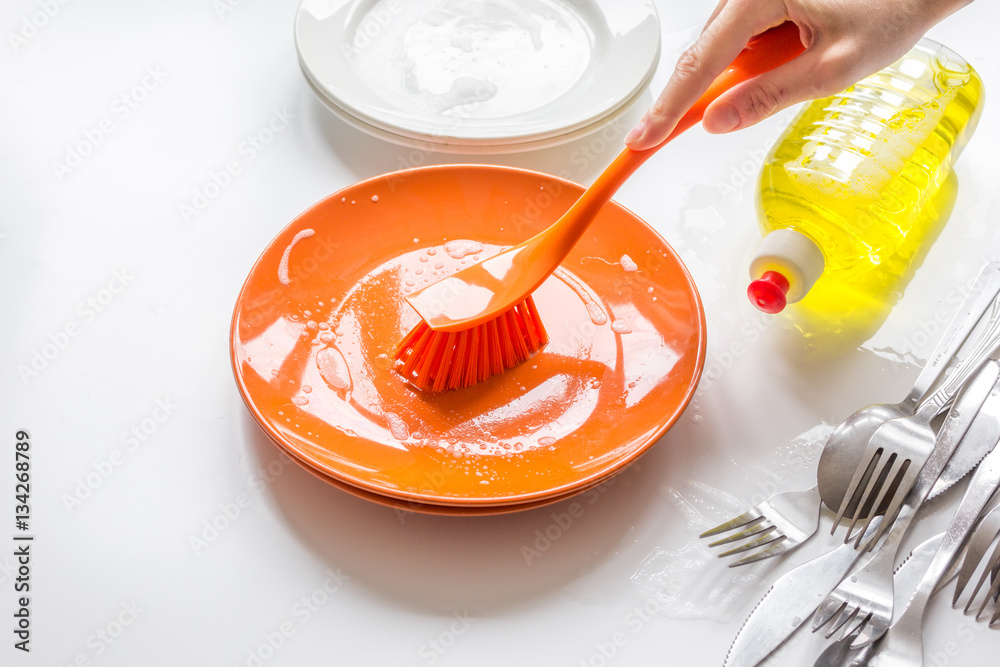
845, 40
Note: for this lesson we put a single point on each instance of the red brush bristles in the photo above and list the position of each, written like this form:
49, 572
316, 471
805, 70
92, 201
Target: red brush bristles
439, 360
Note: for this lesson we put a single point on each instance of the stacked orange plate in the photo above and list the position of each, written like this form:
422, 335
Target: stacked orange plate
322, 311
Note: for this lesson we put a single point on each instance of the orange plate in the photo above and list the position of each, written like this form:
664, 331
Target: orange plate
322, 311
431, 508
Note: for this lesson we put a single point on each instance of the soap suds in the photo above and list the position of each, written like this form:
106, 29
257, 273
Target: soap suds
283, 265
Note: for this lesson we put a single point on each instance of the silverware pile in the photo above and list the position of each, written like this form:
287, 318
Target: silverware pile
877, 470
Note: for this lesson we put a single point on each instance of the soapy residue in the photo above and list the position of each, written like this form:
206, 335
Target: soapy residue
621, 327
398, 427
283, 265
460, 249
333, 368
674, 583
597, 314
628, 264
689, 583
469, 58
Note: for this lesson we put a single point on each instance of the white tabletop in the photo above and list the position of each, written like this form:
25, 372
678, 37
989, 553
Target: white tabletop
149, 155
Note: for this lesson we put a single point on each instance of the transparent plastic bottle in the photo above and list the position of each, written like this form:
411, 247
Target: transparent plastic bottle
846, 195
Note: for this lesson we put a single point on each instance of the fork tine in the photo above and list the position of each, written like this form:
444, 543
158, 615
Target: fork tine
873, 630
991, 594
766, 537
894, 482
975, 554
778, 547
986, 573
861, 623
829, 608
755, 528
738, 522
851, 495
847, 615
900, 488
866, 504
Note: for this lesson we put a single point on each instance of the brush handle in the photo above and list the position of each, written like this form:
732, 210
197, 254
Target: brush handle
483, 291
763, 53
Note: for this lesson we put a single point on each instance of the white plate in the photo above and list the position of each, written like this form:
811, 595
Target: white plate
477, 72
441, 145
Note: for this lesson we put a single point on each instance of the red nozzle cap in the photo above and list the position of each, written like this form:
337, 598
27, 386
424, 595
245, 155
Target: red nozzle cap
768, 292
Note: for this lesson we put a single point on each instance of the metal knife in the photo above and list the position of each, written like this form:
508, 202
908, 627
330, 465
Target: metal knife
904, 581
790, 601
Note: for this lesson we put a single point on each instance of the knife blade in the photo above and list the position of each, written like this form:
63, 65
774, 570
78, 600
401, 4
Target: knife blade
908, 574
977, 442
790, 601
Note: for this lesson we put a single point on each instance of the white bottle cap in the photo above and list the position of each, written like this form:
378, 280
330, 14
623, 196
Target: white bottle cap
798, 263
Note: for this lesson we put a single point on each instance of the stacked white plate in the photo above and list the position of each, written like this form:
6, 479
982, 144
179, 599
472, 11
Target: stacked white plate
478, 76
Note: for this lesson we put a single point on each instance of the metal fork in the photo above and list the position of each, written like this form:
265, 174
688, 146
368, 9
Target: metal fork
902, 645
984, 535
862, 603
898, 449
786, 520
773, 527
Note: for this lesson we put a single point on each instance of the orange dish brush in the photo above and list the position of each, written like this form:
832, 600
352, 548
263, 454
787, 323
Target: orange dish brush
481, 321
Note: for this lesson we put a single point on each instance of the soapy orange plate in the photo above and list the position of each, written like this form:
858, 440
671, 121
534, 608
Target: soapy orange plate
322, 311
431, 508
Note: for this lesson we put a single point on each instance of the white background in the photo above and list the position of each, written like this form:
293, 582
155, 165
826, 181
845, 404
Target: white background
118, 577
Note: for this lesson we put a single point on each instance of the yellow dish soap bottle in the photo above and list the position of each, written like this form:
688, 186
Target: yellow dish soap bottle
845, 194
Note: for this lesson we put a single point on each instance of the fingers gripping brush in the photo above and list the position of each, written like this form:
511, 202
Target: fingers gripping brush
482, 321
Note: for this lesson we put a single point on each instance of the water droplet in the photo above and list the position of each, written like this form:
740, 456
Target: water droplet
300, 400
343, 199
325, 326
311, 325
274, 373
628, 264
796, 622
431, 251
460, 249
307, 389
423, 258
854, 579
439, 265
326, 337
374, 198
621, 327
333, 368
546, 441
398, 428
